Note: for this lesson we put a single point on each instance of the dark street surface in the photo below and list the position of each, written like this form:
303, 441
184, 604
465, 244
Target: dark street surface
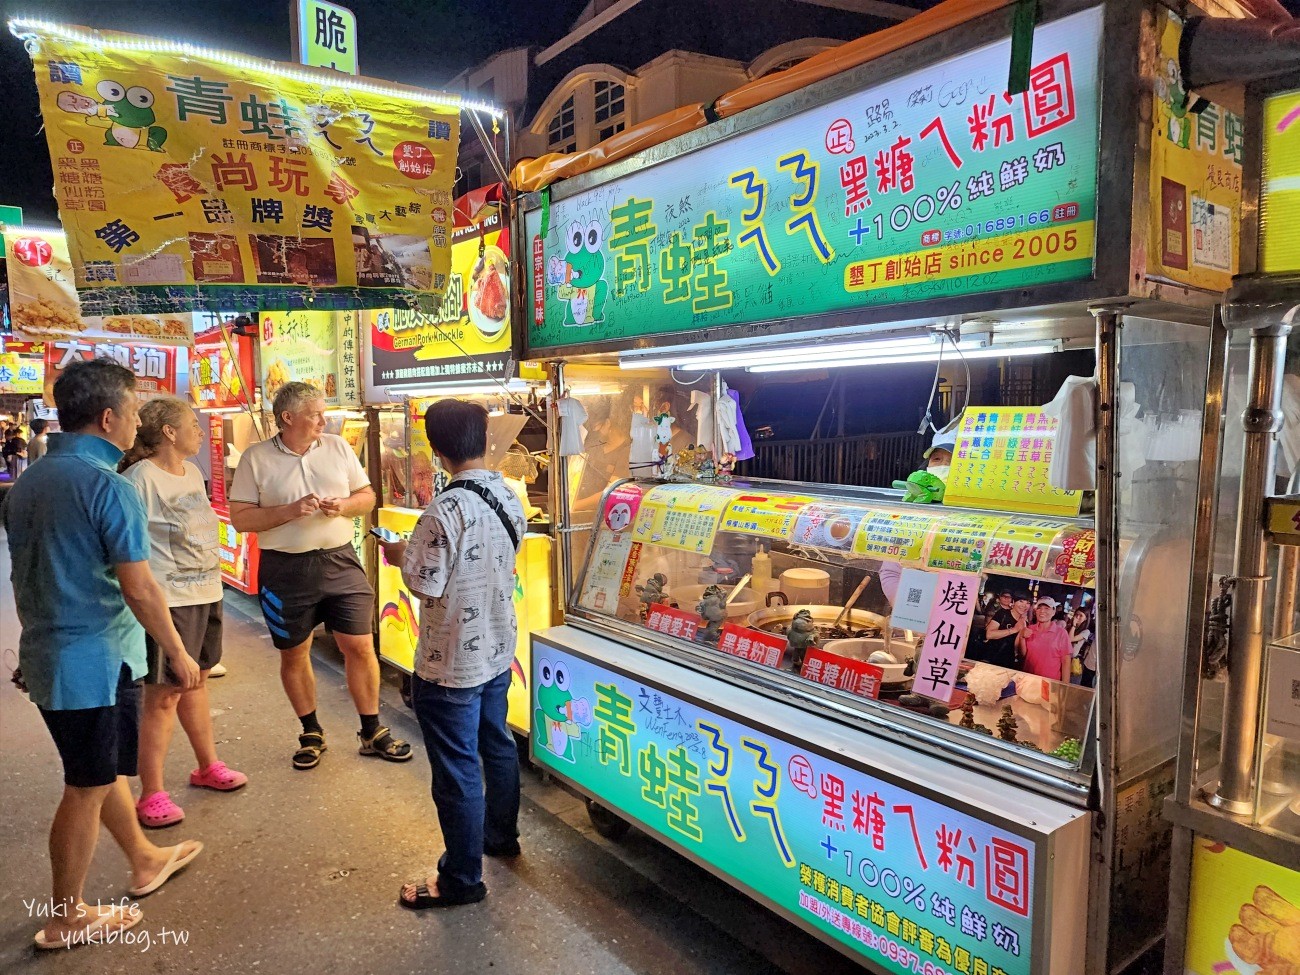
301, 869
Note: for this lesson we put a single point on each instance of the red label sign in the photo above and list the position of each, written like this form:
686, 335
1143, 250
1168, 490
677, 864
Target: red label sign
32, 251
673, 622
539, 282
855, 676
217, 458
154, 365
752, 645
413, 160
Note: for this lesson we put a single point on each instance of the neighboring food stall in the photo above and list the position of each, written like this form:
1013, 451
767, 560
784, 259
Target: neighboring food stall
465, 350
222, 378
801, 686
1235, 888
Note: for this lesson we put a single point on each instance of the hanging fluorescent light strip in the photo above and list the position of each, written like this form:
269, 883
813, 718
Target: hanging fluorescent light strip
994, 352
720, 359
485, 388
25, 30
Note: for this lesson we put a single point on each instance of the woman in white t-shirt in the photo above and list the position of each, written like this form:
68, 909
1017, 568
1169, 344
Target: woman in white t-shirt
183, 536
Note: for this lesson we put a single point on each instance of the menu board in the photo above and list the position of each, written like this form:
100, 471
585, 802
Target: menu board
768, 515
681, 516
1002, 460
962, 542
1022, 545
899, 536
827, 526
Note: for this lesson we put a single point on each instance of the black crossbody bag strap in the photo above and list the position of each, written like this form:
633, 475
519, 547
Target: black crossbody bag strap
491, 502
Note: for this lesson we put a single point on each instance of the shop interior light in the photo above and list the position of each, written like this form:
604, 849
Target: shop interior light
483, 388
903, 358
801, 351
32, 30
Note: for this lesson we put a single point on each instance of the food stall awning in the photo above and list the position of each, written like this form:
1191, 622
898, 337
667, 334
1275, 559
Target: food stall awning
1219, 49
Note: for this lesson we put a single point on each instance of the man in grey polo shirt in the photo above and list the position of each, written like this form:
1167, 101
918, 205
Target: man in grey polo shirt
299, 491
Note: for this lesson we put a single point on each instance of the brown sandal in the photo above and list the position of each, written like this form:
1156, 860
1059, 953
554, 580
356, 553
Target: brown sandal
310, 746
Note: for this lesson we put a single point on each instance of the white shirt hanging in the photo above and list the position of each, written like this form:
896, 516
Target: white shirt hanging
702, 404
727, 427
572, 416
1074, 456
645, 452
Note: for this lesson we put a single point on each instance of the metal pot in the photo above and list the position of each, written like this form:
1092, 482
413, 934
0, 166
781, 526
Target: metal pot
776, 619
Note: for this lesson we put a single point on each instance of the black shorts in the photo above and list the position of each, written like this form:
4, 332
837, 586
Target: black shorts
200, 630
300, 590
99, 744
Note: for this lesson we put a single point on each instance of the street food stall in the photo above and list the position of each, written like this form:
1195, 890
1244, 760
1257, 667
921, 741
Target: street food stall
807, 687
222, 389
467, 350
1235, 884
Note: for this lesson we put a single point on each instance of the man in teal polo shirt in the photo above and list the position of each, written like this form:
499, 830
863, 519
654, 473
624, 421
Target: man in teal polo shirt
79, 544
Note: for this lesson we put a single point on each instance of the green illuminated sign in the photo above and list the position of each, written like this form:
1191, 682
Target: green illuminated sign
934, 184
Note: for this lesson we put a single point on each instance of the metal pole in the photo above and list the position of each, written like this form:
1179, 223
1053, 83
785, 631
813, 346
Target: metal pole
1261, 421
1288, 566
1105, 703
559, 491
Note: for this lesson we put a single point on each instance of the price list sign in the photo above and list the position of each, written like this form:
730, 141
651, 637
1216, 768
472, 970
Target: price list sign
681, 516
1002, 461
772, 516
896, 536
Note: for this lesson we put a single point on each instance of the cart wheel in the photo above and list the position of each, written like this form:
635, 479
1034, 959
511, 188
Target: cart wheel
606, 823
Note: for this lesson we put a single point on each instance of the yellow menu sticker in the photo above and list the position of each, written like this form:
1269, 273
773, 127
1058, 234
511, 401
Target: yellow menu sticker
898, 536
962, 542
768, 515
681, 516
1022, 547
1001, 461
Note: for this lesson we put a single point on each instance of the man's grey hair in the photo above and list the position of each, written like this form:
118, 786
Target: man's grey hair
292, 397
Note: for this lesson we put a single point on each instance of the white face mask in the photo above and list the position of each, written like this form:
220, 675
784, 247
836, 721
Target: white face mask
940, 471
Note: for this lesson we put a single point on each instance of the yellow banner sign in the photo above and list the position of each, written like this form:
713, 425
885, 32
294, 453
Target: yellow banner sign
1243, 915
21, 375
44, 303
1279, 196
467, 339
181, 172
1195, 178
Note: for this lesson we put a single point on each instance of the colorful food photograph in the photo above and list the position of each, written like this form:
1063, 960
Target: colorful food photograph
489, 293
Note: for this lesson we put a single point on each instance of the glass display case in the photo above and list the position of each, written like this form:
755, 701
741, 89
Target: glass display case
854, 601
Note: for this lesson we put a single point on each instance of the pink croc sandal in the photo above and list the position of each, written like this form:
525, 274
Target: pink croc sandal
217, 776
158, 810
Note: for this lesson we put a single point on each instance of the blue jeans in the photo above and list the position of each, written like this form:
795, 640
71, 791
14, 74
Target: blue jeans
462, 725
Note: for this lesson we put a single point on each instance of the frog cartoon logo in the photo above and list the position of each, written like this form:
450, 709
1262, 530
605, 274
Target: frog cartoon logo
558, 716
126, 113
579, 278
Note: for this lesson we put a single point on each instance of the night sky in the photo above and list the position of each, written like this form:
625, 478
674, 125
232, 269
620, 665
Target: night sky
418, 42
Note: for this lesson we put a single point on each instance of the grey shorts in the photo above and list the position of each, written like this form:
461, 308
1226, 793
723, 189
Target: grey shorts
301, 590
200, 630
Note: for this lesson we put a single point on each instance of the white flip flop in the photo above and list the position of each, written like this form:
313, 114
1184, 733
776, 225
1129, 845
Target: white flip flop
125, 920
174, 864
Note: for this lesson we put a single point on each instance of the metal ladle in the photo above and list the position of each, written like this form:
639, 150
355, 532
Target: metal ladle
849, 605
